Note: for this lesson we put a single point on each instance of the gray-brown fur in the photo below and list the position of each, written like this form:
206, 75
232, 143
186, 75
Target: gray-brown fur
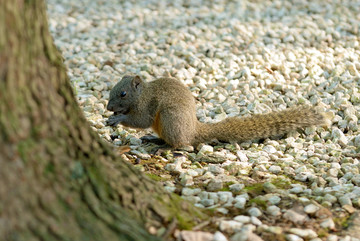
261, 126
173, 104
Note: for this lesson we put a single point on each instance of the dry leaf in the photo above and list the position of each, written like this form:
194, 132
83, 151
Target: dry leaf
123, 149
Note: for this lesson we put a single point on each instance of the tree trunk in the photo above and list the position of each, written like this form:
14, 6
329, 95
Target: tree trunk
58, 180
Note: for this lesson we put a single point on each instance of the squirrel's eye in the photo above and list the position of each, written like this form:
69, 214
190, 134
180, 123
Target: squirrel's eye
123, 93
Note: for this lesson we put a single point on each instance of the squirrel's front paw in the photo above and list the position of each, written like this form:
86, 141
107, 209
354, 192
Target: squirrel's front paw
113, 120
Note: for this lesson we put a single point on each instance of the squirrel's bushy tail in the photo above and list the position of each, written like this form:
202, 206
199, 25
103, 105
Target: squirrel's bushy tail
260, 126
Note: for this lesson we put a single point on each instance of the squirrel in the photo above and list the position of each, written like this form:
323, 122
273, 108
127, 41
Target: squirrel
168, 107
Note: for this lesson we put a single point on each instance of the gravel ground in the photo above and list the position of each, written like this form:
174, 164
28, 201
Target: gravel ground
238, 58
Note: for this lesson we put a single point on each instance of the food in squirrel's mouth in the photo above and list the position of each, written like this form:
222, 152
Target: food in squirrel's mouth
121, 112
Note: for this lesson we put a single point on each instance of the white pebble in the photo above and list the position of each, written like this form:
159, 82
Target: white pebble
242, 219
311, 208
273, 210
230, 226
219, 236
275, 169
328, 223
254, 212
293, 237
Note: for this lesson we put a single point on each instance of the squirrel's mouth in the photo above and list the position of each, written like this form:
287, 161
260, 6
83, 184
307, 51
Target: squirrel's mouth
121, 112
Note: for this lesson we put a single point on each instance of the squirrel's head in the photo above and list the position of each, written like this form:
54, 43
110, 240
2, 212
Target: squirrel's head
125, 94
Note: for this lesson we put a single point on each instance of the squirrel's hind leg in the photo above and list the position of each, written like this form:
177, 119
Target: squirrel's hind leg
177, 131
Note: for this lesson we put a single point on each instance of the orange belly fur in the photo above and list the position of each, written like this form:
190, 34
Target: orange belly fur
156, 126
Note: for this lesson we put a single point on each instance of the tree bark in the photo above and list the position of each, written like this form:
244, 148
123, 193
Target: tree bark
58, 179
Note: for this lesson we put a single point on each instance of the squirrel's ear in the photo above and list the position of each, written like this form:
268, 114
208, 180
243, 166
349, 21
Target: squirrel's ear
136, 81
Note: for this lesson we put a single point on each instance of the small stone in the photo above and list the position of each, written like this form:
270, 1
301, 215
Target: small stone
326, 204
323, 213
222, 210
140, 154
338, 135
140, 167
230, 156
199, 205
170, 189
254, 237
215, 169
98, 87
214, 196
135, 141
352, 69
273, 210
345, 200
333, 172
206, 149
192, 172
289, 38
293, 237
356, 179
233, 168
245, 72
224, 196
328, 223
192, 199
240, 236
170, 167
318, 191
242, 156
207, 202
190, 191
177, 165
274, 229
269, 149
221, 116
294, 217
303, 176
304, 233
311, 208
255, 221
242, 219
230, 226
187, 180
332, 237
236, 188
356, 141
350, 209
296, 190
240, 203
208, 175
204, 195
275, 169
254, 212
200, 171
269, 187
214, 185
196, 236
245, 235
219, 236
330, 198
187, 148
274, 199
304, 200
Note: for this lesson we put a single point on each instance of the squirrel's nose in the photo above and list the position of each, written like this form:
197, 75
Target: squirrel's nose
110, 107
